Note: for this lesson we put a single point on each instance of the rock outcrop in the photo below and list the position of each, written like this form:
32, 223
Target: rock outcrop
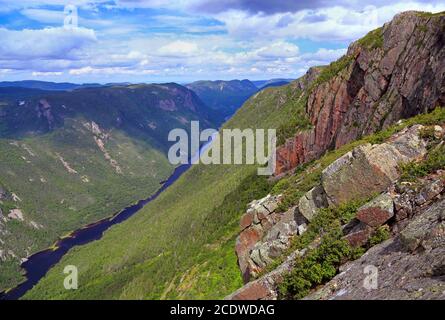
370, 168
393, 73
259, 221
365, 171
400, 270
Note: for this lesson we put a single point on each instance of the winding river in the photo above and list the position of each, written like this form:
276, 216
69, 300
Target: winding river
40, 263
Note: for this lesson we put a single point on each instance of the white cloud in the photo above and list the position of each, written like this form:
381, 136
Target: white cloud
164, 44
335, 23
48, 43
280, 49
46, 74
43, 15
325, 55
179, 48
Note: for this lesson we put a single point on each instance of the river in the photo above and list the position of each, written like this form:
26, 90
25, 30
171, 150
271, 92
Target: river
37, 265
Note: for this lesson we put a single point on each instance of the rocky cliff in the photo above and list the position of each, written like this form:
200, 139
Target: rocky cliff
410, 211
374, 204
395, 72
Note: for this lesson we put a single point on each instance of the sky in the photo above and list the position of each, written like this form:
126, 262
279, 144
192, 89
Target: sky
89, 41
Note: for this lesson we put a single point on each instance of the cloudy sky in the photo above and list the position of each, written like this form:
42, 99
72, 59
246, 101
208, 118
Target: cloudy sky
183, 40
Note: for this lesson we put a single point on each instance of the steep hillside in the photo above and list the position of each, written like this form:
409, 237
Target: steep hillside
182, 245
71, 158
388, 186
394, 72
225, 97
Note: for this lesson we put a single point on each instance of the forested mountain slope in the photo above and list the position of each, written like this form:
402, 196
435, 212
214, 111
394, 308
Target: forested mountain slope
71, 158
182, 245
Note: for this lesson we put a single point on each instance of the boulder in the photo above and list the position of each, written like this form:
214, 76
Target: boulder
438, 132
377, 212
16, 214
430, 191
312, 201
370, 169
247, 219
418, 230
258, 220
359, 235
265, 288
252, 291
244, 243
401, 274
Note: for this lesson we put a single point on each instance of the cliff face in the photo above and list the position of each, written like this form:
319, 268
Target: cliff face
393, 73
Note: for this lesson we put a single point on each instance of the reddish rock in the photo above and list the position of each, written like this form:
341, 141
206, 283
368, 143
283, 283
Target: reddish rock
247, 239
246, 220
252, 291
262, 214
359, 236
244, 243
374, 90
374, 216
376, 212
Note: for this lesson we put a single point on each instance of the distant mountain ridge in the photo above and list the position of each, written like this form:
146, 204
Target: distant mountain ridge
45, 85
262, 84
225, 97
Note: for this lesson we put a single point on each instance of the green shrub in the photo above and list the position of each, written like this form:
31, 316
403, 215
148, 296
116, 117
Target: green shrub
434, 160
373, 40
381, 234
428, 133
330, 71
318, 265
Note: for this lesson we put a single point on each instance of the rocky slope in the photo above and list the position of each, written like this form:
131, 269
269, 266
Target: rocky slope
395, 72
409, 265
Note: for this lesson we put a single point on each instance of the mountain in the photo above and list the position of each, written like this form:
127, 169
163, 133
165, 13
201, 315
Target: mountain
394, 72
44, 85
263, 84
225, 97
72, 158
360, 168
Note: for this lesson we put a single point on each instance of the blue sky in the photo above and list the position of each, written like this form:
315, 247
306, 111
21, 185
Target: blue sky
183, 40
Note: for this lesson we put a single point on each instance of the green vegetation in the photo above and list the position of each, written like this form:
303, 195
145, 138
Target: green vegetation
317, 266
434, 160
182, 244
298, 119
225, 97
381, 234
332, 70
373, 40
430, 14
327, 220
62, 177
321, 263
